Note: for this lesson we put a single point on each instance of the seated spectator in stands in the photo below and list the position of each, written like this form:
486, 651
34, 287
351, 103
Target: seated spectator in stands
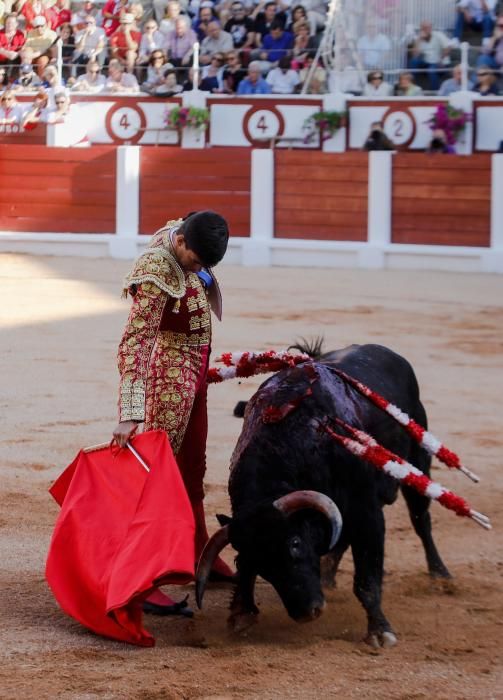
206, 15
61, 110
90, 43
240, 27
158, 65
12, 40
118, 80
136, 9
125, 42
10, 111
112, 13
216, 41
59, 14
42, 40
276, 44
79, 18
37, 112
172, 11
317, 12
486, 82
377, 139
179, 44
92, 81
31, 9
169, 86
188, 84
209, 81
453, 84
376, 85
151, 40
478, 15
51, 84
373, 47
406, 86
264, 15
215, 68
318, 79
438, 143
303, 44
493, 52
299, 14
28, 79
283, 79
65, 33
254, 83
233, 73
430, 49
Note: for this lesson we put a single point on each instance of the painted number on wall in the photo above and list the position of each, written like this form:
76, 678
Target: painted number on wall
125, 124
399, 127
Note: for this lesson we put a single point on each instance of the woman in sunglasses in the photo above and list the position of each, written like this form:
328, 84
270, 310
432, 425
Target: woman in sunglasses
158, 66
376, 85
486, 82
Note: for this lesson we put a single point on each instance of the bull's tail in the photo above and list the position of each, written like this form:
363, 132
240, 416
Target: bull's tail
313, 348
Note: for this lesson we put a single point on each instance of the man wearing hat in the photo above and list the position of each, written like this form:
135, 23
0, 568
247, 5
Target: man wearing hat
125, 41
41, 39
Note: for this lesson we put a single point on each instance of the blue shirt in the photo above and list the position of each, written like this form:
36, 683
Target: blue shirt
277, 48
261, 87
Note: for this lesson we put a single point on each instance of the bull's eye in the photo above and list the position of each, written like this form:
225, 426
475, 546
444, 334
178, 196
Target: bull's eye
295, 546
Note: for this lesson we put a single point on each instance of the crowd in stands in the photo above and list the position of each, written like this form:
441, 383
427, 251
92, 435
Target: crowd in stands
246, 47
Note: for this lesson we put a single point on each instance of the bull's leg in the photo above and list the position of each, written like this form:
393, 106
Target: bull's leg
368, 554
420, 517
244, 612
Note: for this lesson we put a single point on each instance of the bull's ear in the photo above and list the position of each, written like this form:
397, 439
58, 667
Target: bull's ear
223, 519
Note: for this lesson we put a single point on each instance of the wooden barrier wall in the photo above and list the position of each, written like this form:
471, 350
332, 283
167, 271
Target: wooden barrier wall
174, 181
441, 199
57, 189
321, 195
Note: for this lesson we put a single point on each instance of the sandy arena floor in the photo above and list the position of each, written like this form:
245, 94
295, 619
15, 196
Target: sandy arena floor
60, 322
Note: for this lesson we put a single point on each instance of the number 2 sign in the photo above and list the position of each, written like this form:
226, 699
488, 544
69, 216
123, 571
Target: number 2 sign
399, 126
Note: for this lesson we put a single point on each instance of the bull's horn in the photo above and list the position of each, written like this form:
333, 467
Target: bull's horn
210, 552
297, 500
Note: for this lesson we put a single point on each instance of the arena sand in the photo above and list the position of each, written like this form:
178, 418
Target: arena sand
61, 320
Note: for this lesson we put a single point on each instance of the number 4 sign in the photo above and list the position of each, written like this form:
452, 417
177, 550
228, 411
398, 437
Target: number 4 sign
125, 124
262, 123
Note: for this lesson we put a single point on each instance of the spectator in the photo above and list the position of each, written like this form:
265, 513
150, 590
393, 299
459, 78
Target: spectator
377, 139
61, 110
210, 82
169, 86
276, 44
493, 52
316, 13
10, 111
206, 15
125, 42
216, 41
215, 68
453, 84
37, 112
79, 18
28, 79
65, 33
180, 43
318, 79
486, 82
41, 39
112, 13
283, 79
90, 43
429, 50
376, 85
171, 14
31, 9
233, 73
406, 86
12, 39
59, 14
51, 84
118, 80
156, 70
303, 45
151, 40
264, 15
92, 81
438, 143
240, 27
373, 47
3, 77
299, 14
254, 84
476, 14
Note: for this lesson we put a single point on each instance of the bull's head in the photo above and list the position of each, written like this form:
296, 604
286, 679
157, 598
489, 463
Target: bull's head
282, 542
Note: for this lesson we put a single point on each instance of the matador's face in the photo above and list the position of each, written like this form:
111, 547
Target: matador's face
186, 257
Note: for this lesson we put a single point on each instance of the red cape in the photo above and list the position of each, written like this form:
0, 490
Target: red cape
121, 532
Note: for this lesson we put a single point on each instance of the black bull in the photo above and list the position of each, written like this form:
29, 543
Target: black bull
278, 530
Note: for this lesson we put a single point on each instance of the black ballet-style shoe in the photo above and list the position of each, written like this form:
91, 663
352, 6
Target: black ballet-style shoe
181, 608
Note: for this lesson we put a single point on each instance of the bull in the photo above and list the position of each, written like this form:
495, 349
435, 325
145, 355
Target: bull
297, 495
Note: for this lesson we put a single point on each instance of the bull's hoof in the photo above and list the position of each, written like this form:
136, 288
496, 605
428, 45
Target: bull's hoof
240, 622
381, 639
440, 572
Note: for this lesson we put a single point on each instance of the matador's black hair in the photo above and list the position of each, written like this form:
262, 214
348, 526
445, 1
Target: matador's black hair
207, 234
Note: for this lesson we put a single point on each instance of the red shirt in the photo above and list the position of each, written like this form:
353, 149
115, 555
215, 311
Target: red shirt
56, 18
112, 7
118, 41
30, 15
13, 44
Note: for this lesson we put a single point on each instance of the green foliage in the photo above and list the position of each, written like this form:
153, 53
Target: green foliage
192, 117
324, 124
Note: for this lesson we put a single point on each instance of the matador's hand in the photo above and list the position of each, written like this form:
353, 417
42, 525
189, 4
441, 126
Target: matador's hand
124, 431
